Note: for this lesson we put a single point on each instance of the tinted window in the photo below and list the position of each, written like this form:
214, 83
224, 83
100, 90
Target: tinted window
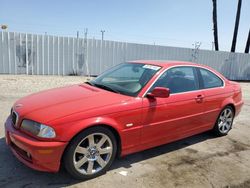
209, 79
178, 79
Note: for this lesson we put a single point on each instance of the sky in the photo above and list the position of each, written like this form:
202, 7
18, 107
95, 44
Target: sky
178, 23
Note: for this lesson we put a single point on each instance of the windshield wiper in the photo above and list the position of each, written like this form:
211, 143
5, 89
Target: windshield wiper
105, 87
90, 83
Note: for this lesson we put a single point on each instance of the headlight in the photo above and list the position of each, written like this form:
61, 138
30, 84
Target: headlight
38, 129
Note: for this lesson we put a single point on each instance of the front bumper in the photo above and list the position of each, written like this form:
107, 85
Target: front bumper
38, 155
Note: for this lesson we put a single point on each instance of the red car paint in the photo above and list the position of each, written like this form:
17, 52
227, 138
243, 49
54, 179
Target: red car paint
70, 110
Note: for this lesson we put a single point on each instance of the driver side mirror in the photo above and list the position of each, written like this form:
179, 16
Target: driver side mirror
160, 92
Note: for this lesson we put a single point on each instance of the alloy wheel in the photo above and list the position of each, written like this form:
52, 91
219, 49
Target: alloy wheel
225, 120
92, 153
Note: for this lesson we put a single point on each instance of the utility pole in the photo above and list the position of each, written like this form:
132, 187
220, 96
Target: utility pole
215, 27
237, 20
102, 31
248, 43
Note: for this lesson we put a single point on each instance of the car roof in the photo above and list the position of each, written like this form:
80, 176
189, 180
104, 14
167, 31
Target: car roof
164, 63
170, 63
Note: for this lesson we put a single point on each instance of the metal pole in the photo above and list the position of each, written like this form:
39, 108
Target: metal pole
58, 56
43, 52
86, 51
53, 55
100, 66
73, 54
48, 63
26, 54
20, 49
113, 53
32, 55
2, 49
15, 52
102, 31
63, 55
77, 55
68, 52
37, 55
8, 42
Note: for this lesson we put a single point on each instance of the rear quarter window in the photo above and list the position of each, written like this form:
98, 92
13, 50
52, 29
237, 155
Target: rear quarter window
209, 79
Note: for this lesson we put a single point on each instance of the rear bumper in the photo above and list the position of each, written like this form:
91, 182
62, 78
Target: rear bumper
38, 155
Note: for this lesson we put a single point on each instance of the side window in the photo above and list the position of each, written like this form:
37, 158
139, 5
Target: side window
209, 79
178, 79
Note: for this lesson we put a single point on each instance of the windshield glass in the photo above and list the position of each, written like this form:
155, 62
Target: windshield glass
126, 78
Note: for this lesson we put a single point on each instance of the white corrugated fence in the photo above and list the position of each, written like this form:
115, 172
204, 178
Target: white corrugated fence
33, 54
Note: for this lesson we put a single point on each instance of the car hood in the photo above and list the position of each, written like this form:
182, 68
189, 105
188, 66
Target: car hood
56, 103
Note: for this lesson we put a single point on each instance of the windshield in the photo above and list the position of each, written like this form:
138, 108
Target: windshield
126, 78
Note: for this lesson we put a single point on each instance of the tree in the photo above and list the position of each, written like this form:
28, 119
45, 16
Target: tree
237, 21
216, 43
248, 43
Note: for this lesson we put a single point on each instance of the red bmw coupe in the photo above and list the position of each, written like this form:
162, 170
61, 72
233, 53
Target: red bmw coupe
129, 108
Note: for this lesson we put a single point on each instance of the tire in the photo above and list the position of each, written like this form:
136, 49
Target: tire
224, 122
90, 153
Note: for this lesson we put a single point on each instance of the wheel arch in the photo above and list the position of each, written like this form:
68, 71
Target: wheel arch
232, 106
228, 102
215, 128
111, 128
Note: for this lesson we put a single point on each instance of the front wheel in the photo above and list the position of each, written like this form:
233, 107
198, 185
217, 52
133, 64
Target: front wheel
224, 122
90, 153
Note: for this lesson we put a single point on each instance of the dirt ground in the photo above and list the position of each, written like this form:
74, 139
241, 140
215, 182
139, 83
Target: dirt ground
198, 161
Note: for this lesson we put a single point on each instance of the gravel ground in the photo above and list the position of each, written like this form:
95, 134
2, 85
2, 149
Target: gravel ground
198, 161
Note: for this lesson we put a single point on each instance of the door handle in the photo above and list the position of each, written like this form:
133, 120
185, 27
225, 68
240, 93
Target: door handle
199, 98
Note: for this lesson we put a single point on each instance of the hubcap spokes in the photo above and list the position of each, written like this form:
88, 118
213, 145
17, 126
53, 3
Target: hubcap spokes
225, 120
92, 153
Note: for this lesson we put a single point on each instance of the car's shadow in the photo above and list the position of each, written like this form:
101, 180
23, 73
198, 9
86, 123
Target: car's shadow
13, 173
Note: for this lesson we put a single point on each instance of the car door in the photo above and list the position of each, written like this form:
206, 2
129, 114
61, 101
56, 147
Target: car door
178, 116
214, 92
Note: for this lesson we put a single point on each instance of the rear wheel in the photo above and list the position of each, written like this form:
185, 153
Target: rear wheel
90, 153
224, 122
